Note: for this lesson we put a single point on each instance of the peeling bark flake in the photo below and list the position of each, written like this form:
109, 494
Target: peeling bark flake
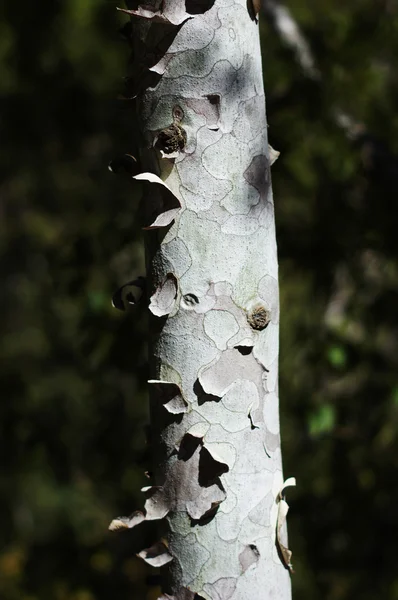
168, 205
167, 16
129, 294
170, 395
283, 509
254, 7
163, 300
273, 155
127, 522
126, 163
156, 505
157, 555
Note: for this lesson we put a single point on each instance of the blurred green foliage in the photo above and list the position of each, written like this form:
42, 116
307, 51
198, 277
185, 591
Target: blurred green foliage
73, 369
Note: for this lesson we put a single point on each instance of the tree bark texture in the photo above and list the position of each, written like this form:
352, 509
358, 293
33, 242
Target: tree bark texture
213, 289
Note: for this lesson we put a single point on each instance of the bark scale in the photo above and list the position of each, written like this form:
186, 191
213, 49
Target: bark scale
212, 282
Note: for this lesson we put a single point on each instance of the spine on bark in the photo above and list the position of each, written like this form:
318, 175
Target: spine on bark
213, 294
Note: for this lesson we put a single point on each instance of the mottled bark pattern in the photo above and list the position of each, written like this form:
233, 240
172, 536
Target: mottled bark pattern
213, 293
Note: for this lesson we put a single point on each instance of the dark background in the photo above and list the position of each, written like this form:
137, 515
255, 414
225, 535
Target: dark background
73, 370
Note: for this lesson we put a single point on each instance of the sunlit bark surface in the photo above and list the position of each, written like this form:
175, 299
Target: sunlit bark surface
213, 295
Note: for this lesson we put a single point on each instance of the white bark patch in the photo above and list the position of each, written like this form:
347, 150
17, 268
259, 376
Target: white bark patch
267, 345
220, 326
199, 430
247, 128
271, 377
163, 300
269, 294
216, 378
241, 199
178, 254
127, 522
240, 225
156, 556
229, 525
222, 589
281, 534
260, 514
222, 288
206, 189
187, 40
271, 412
241, 397
232, 422
200, 302
221, 157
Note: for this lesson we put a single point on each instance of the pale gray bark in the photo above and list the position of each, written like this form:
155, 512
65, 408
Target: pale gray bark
212, 271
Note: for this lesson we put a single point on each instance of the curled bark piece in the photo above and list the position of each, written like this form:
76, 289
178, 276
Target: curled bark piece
206, 502
156, 506
281, 519
129, 294
163, 300
126, 163
168, 204
164, 219
253, 6
222, 453
169, 15
170, 395
208, 514
127, 522
157, 555
210, 469
273, 155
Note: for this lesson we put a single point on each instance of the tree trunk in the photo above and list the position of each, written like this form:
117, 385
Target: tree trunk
212, 283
